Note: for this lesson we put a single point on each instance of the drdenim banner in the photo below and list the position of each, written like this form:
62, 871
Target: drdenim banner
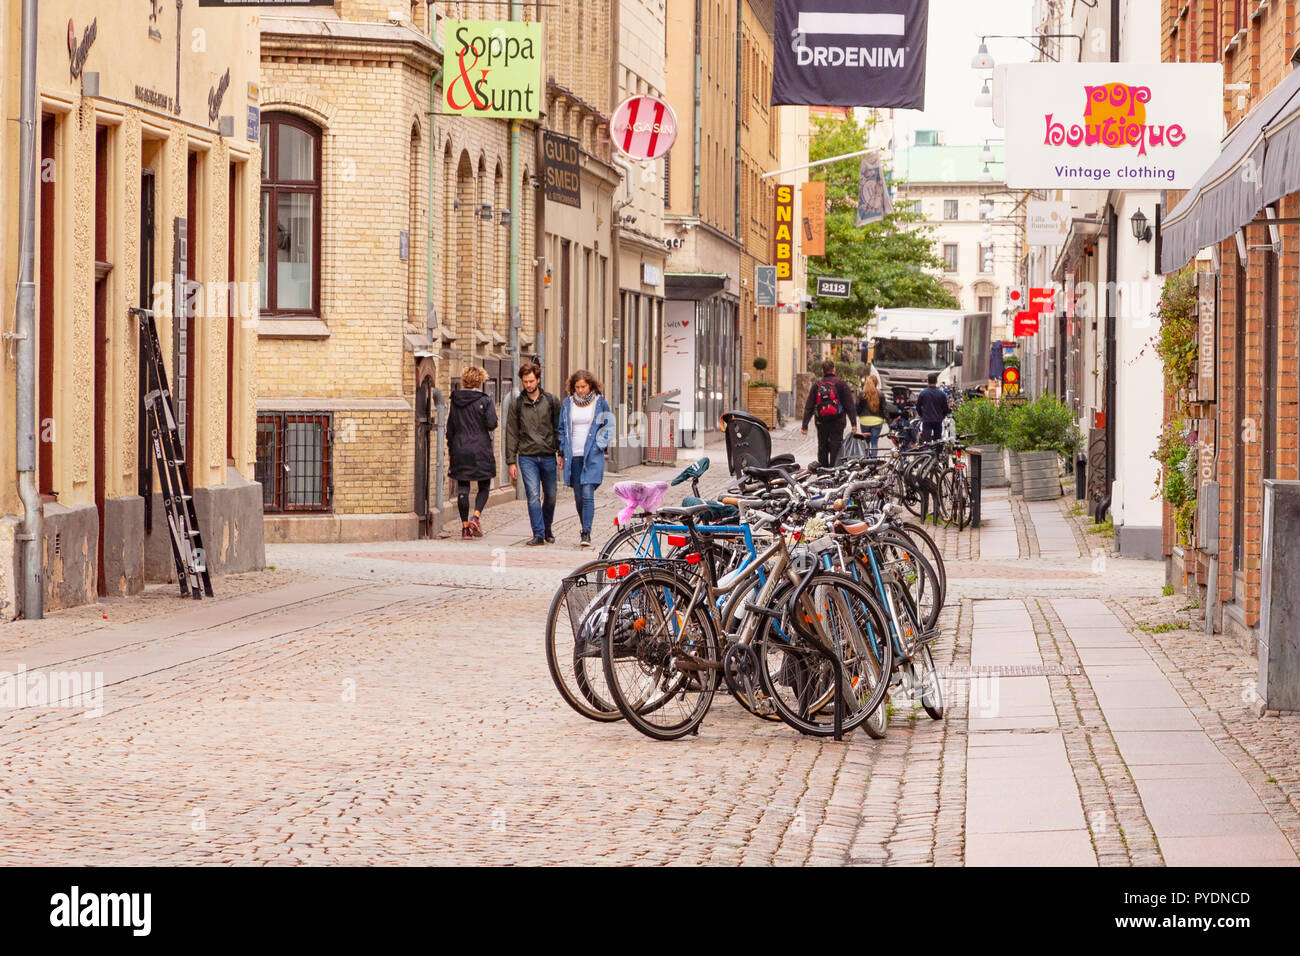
850, 53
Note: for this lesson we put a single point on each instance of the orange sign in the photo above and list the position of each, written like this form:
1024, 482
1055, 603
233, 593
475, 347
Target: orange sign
812, 200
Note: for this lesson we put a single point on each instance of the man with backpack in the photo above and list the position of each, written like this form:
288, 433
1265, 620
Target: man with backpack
532, 447
830, 401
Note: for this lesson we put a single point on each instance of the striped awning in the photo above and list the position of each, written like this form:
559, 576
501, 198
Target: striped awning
1259, 164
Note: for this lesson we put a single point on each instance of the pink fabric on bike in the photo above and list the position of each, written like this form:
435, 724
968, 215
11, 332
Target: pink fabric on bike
638, 494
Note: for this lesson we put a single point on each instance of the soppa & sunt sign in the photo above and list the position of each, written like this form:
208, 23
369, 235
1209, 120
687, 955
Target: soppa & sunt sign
1111, 125
493, 69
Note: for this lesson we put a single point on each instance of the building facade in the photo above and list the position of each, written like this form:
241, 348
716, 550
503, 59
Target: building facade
1247, 256
148, 176
976, 231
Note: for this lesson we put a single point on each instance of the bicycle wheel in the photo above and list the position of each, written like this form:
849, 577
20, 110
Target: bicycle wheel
917, 579
573, 660
961, 504
632, 540
921, 538
801, 679
761, 707
926, 676
662, 664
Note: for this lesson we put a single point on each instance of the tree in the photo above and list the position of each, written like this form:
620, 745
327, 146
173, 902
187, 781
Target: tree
887, 261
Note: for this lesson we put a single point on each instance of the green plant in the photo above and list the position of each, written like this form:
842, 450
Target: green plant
1177, 480
1163, 628
762, 384
1011, 361
1104, 528
983, 419
1167, 590
1175, 341
1044, 424
760, 363
1076, 508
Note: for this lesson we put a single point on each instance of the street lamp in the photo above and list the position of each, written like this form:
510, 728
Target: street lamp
982, 60
985, 98
1141, 231
987, 175
986, 155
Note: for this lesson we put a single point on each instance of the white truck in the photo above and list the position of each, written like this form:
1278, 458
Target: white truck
906, 345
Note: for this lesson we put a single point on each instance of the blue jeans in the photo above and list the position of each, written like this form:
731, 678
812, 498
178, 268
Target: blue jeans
584, 496
873, 439
538, 472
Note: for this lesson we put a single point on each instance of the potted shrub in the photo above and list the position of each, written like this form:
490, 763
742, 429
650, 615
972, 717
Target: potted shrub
1040, 432
762, 395
984, 421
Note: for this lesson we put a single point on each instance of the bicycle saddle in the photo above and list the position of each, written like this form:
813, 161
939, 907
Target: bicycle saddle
717, 510
776, 460
686, 511
693, 470
780, 472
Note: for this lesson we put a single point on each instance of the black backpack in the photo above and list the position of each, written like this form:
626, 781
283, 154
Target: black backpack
828, 400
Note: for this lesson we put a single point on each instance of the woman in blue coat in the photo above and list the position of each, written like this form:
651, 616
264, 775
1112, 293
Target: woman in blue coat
586, 430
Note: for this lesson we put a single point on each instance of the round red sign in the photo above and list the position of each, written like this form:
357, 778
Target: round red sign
643, 127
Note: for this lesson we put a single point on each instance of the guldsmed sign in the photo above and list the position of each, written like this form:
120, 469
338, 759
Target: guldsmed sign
1111, 125
494, 69
850, 53
563, 177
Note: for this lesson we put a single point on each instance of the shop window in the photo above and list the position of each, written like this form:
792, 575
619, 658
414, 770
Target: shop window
294, 463
289, 262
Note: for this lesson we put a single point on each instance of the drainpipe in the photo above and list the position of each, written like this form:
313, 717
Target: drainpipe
25, 328
439, 456
695, 189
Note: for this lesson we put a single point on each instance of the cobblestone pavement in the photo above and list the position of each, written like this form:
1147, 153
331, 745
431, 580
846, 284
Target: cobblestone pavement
389, 703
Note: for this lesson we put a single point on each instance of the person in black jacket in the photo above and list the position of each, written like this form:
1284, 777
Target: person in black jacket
470, 422
932, 406
830, 400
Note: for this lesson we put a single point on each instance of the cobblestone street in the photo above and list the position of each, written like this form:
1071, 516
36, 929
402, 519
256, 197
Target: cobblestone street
390, 703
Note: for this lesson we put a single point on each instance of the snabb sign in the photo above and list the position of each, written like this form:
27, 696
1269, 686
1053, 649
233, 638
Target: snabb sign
783, 234
833, 288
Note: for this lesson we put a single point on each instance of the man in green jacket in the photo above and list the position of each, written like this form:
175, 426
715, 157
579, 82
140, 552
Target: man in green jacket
532, 447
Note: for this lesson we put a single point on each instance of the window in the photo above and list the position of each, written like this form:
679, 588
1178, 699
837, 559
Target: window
294, 461
950, 257
986, 258
288, 265
985, 304
950, 209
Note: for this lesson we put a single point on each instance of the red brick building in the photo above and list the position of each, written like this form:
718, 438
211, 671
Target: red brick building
1238, 227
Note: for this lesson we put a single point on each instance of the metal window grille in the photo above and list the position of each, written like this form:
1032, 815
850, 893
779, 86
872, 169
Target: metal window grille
294, 461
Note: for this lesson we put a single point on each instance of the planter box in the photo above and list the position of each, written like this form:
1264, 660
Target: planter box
1040, 474
1013, 472
762, 404
994, 474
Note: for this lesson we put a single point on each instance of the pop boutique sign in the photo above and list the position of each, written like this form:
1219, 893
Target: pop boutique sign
1111, 125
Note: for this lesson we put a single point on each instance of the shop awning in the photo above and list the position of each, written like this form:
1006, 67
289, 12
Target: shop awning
1083, 232
1258, 165
693, 285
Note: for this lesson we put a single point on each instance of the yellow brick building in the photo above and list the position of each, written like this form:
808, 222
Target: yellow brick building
409, 275
142, 130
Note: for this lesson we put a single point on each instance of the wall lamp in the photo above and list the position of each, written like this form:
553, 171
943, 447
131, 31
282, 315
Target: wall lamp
1141, 231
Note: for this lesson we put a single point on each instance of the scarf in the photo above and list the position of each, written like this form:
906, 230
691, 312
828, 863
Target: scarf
583, 402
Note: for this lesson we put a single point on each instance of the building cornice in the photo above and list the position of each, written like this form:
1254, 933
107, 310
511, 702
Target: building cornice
348, 40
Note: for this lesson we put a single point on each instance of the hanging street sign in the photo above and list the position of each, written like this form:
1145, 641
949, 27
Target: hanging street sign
829, 288
643, 127
494, 69
765, 286
850, 53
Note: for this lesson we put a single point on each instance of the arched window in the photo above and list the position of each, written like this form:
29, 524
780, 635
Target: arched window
289, 263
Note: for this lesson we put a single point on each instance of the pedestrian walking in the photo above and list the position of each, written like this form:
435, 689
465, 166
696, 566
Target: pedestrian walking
830, 400
871, 414
533, 449
586, 429
470, 424
932, 406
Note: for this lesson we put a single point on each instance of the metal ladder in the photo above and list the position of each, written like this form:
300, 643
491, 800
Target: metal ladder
173, 478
